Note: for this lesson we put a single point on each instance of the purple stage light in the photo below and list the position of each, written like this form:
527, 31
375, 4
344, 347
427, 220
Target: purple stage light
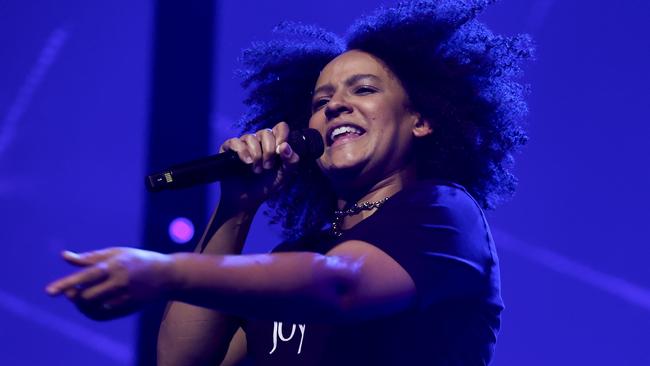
181, 230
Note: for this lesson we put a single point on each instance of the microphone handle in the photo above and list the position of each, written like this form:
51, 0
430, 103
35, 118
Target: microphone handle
205, 170
308, 143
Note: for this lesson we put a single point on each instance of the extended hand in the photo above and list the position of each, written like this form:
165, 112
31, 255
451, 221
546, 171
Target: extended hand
115, 281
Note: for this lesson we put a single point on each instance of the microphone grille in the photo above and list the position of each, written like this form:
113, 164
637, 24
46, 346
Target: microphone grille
307, 143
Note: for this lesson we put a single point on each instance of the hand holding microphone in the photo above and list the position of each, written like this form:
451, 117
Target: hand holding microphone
266, 153
250, 167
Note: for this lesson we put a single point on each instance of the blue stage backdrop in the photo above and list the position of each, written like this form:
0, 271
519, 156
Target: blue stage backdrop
574, 241
74, 83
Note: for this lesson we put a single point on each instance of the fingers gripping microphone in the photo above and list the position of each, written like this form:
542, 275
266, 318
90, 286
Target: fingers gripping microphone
307, 143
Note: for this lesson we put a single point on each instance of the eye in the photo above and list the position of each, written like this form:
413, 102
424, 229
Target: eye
365, 89
319, 103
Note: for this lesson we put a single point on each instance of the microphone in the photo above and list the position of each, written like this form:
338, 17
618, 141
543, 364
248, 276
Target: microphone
307, 143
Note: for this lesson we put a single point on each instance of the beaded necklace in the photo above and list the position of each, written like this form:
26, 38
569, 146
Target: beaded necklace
353, 210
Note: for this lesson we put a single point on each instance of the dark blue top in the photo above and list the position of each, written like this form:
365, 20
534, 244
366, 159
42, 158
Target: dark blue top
438, 233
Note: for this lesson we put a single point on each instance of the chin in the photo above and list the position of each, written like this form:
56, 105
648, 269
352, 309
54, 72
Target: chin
344, 173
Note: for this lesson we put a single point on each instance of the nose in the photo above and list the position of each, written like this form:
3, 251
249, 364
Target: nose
337, 106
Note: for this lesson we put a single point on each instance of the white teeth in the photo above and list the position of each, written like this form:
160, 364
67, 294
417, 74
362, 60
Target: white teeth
344, 129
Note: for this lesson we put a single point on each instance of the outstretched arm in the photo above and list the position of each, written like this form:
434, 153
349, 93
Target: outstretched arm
353, 282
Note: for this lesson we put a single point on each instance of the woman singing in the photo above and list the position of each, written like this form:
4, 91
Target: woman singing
388, 258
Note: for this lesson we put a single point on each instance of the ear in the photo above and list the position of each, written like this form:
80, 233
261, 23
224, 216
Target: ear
422, 127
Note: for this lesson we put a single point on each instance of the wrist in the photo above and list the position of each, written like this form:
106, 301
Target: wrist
174, 274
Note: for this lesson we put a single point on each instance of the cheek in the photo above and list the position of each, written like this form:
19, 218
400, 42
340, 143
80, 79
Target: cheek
315, 121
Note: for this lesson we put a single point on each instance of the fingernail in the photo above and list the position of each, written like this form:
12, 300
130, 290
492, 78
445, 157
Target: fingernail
68, 253
248, 159
268, 164
287, 152
257, 169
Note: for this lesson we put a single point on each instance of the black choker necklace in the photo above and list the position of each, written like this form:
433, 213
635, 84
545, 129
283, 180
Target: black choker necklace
353, 210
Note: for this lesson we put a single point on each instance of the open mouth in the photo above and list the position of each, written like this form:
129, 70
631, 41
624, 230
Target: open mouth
343, 132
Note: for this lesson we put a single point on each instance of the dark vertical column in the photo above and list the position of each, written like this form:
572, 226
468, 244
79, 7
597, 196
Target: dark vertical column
178, 130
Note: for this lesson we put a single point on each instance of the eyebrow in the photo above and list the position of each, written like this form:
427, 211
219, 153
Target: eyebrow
348, 82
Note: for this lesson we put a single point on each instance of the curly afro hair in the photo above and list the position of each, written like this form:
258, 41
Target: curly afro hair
456, 73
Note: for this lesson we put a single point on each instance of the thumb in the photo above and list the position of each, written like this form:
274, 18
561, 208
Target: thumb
289, 157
